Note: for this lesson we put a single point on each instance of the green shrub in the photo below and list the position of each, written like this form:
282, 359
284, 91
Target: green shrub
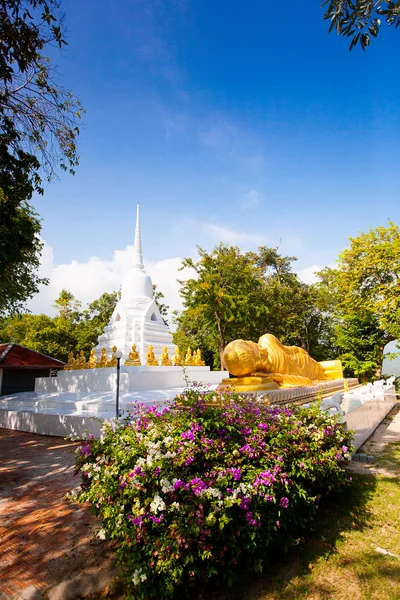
191, 492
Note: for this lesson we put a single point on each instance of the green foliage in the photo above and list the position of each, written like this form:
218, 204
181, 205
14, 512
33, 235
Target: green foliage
38, 131
206, 489
37, 115
227, 293
163, 308
360, 20
365, 297
361, 344
71, 330
243, 295
20, 247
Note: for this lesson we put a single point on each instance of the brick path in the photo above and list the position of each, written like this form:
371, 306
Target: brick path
47, 548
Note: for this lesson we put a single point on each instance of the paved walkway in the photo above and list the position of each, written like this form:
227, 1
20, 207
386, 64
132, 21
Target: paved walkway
47, 548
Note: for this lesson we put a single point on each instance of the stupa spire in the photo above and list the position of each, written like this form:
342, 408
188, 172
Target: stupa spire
137, 257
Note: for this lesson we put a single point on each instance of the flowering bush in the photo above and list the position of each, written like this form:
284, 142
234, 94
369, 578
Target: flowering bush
200, 490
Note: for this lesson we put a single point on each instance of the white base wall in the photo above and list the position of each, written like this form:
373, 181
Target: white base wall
45, 424
364, 419
132, 379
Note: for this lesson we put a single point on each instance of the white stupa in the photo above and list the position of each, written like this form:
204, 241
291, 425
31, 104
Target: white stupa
136, 318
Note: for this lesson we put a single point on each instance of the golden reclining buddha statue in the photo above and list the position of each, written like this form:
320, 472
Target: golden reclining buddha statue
269, 365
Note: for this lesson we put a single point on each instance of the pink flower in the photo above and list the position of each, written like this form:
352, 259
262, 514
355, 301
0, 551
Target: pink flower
284, 502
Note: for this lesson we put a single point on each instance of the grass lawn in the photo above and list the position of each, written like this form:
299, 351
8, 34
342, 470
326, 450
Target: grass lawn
343, 556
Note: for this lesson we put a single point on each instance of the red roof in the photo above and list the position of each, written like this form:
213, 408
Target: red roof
16, 356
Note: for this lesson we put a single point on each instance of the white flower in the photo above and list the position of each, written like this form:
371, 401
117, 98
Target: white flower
101, 534
166, 486
158, 504
175, 506
168, 441
211, 493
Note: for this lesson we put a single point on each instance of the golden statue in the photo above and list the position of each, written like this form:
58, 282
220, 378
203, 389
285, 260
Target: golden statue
134, 358
198, 361
80, 362
113, 361
71, 362
151, 359
269, 365
189, 359
177, 358
103, 359
92, 364
165, 361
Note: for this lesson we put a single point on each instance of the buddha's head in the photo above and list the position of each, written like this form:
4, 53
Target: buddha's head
243, 358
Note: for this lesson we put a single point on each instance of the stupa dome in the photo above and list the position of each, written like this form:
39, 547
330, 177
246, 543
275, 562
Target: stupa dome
136, 284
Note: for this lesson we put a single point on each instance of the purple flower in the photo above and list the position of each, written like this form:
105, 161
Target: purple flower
250, 519
189, 461
198, 485
284, 502
344, 449
123, 484
179, 484
188, 435
85, 449
245, 503
237, 473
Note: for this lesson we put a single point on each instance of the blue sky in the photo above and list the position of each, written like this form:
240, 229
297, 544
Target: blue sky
241, 122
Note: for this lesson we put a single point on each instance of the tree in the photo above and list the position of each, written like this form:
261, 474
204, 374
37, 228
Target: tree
296, 312
71, 330
38, 116
95, 319
38, 132
226, 294
163, 308
238, 295
362, 19
39, 332
365, 292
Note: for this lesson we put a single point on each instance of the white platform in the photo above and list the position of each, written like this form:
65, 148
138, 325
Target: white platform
68, 413
132, 379
363, 419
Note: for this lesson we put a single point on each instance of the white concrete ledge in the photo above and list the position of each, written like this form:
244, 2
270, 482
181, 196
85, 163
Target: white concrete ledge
132, 379
48, 424
364, 419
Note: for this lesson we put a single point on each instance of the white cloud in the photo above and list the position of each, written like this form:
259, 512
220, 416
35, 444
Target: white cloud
250, 200
232, 236
88, 280
308, 275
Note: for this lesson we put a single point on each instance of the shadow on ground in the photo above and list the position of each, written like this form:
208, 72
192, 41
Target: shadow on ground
46, 544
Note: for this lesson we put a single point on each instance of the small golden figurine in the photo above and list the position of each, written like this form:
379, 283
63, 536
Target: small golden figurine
189, 357
80, 362
103, 359
151, 359
134, 358
71, 362
177, 358
113, 361
92, 364
165, 361
198, 361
